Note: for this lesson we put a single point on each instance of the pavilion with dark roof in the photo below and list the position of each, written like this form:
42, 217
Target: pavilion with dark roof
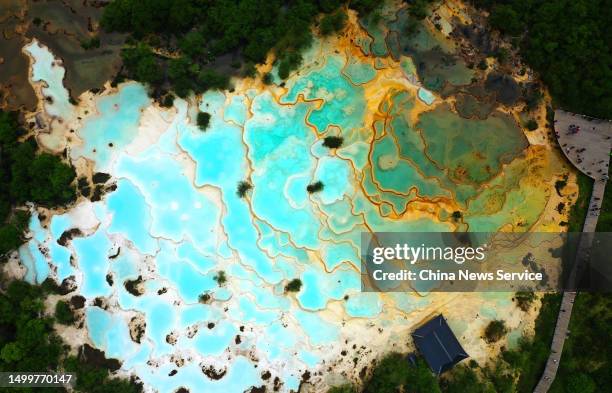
438, 345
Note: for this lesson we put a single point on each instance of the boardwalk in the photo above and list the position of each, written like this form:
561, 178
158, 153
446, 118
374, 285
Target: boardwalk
595, 136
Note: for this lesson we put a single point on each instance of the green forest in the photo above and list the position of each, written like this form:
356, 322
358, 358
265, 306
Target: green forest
568, 42
29, 343
584, 367
27, 175
192, 45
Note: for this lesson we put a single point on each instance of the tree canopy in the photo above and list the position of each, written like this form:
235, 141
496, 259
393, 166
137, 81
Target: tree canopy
182, 44
568, 42
27, 175
203, 120
28, 342
395, 373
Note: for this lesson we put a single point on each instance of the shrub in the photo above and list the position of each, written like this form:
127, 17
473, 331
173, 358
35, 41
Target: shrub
395, 374
294, 285
532, 125
243, 188
333, 142
419, 9
315, 187
203, 120
495, 330
167, 101
249, 70
204, 298
560, 185
63, 313
524, 300
342, 389
220, 278
92, 43
267, 78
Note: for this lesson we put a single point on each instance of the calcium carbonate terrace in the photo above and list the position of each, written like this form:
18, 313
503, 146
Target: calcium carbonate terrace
175, 221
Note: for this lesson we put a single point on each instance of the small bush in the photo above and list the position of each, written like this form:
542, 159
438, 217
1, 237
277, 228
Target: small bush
419, 9
63, 313
394, 373
342, 389
294, 285
167, 101
92, 43
502, 55
532, 125
243, 188
524, 300
495, 330
333, 142
203, 120
204, 298
560, 185
249, 70
220, 278
315, 187
267, 78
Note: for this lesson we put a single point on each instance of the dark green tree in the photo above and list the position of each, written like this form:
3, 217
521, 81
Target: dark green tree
141, 63
51, 180
333, 142
343, 389
193, 44
394, 373
63, 313
315, 187
332, 23
243, 188
27, 176
419, 9
507, 19
203, 120
495, 330
180, 75
294, 285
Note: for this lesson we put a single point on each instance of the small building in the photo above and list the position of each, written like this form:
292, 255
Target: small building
438, 345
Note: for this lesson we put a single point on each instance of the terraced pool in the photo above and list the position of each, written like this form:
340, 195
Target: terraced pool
172, 220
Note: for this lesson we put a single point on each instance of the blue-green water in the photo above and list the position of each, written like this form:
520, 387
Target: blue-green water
176, 220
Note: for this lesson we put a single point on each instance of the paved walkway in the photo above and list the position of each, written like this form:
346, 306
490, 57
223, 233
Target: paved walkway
595, 137
589, 148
